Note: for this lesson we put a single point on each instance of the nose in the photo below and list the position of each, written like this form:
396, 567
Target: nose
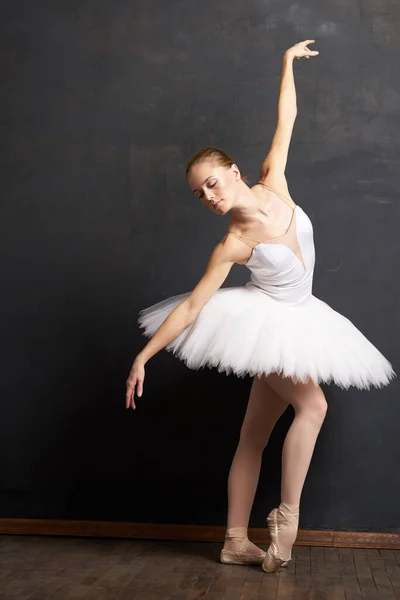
210, 196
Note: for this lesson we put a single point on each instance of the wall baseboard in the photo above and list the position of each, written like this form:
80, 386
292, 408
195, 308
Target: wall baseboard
193, 533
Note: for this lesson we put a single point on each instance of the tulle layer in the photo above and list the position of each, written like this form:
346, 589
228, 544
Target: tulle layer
244, 331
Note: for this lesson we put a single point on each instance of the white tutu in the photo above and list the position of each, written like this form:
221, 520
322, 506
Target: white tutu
274, 323
244, 331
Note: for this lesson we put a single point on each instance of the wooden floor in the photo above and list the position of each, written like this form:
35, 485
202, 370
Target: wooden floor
55, 568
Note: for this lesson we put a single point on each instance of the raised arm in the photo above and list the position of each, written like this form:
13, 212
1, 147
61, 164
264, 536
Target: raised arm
220, 263
276, 159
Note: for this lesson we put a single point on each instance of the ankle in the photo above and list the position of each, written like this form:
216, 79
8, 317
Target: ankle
236, 533
236, 539
290, 514
293, 509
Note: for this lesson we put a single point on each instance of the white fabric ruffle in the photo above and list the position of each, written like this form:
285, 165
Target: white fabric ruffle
244, 331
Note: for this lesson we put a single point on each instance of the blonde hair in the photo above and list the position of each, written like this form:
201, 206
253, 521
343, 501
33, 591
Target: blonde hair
213, 154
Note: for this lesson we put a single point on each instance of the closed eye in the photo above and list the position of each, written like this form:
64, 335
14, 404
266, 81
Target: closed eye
210, 186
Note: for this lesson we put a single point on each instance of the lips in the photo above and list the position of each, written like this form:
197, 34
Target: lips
218, 203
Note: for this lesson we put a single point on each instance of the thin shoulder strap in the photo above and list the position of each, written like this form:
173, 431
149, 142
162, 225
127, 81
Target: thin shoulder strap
240, 237
282, 196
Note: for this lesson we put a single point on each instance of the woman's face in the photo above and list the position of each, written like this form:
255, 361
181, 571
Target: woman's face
214, 185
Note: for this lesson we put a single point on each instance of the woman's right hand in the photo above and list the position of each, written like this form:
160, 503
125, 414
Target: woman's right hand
301, 50
135, 381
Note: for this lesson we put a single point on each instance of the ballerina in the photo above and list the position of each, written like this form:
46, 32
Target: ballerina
272, 328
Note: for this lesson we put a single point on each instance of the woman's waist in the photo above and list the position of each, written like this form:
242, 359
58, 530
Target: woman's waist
282, 293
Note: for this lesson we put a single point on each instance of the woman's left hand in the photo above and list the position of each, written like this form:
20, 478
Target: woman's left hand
301, 50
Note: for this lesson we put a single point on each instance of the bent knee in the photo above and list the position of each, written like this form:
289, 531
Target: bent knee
315, 407
320, 410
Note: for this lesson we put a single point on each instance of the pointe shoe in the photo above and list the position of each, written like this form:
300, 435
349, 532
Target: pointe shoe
241, 556
278, 519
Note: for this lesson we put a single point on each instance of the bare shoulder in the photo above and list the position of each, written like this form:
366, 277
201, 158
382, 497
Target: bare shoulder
230, 248
275, 180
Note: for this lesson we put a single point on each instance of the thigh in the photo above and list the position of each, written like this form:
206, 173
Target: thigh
264, 408
301, 396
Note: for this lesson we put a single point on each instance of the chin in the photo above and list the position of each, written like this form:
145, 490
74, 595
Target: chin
222, 208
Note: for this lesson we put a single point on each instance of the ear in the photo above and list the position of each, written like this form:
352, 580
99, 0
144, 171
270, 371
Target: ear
236, 172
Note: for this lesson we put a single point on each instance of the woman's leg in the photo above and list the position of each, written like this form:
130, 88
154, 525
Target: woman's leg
310, 407
264, 408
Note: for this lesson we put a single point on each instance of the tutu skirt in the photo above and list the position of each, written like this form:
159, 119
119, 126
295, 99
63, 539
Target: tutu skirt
244, 331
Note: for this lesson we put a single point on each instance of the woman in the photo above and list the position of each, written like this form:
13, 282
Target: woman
273, 328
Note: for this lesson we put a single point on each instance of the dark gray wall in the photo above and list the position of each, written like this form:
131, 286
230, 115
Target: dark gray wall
102, 104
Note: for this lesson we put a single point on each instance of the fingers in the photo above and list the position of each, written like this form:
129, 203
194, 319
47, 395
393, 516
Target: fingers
130, 391
303, 51
307, 50
134, 381
130, 394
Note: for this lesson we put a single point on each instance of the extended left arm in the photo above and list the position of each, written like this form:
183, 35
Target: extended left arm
287, 111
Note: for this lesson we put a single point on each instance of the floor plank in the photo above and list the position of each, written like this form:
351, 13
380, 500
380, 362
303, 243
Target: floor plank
51, 568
